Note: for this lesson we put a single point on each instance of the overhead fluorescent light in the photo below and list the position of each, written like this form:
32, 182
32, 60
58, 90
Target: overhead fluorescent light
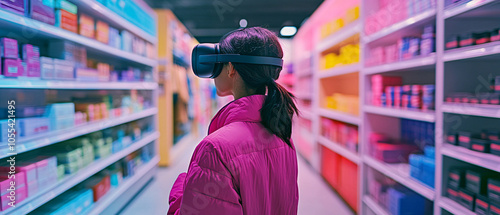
288, 31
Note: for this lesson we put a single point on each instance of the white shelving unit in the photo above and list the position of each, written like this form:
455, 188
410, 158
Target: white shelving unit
75, 85
491, 111
400, 173
17, 26
49, 193
488, 161
342, 151
19, 23
407, 23
459, 9
426, 116
417, 63
476, 51
340, 70
374, 206
339, 116
344, 33
453, 207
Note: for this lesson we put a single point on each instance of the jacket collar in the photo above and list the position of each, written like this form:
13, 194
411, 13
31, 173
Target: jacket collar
246, 109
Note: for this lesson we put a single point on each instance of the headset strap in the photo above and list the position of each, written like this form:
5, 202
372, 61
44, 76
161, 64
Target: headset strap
236, 58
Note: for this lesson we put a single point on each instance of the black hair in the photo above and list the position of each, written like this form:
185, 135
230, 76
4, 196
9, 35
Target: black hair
279, 106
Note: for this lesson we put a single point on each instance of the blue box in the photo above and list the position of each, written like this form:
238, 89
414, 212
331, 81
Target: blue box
407, 203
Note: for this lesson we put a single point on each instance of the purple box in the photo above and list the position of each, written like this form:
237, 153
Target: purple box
12, 67
9, 48
15, 6
43, 11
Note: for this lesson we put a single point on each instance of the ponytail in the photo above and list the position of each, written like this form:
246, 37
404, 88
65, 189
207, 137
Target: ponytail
278, 110
279, 106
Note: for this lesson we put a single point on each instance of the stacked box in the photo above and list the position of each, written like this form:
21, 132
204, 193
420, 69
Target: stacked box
87, 26
66, 15
102, 32
62, 115
15, 6
47, 68
43, 10
31, 56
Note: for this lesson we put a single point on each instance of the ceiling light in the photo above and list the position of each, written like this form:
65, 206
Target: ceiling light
288, 31
243, 23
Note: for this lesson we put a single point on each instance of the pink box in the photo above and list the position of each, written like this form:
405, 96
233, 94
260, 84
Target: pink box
9, 48
4, 185
12, 67
29, 169
21, 195
46, 167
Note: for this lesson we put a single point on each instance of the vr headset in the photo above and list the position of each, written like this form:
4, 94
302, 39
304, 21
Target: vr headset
207, 61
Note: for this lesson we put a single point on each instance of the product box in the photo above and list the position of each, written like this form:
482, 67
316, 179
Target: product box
31, 56
482, 205
102, 32
399, 202
467, 199
482, 38
115, 39
14, 6
33, 126
66, 15
32, 188
64, 70
86, 26
60, 172
47, 68
495, 147
453, 42
494, 189
495, 35
85, 74
127, 39
46, 169
100, 186
465, 139
490, 135
9, 48
452, 138
393, 153
468, 39
480, 145
21, 195
452, 193
456, 179
12, 67
475, 182
43, 10
494, 208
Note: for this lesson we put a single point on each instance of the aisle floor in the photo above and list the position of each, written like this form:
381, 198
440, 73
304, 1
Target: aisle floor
316, 197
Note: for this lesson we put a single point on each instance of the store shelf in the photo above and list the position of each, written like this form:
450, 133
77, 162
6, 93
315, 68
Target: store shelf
401, 174
13, 21
484, 160
342, 151
492, 111
422, 17
70, 85
305, 73
102, 12
341, 35
340, 116
374, 206
463, 8
49, 138
49, 193
306, 114
340, 70
427, 62
115, 193
453, 207
483, 50
426, 116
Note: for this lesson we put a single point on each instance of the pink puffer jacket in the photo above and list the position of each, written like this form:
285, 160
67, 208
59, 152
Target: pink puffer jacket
239, 168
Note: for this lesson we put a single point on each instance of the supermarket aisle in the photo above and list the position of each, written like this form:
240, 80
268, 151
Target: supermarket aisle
315, 195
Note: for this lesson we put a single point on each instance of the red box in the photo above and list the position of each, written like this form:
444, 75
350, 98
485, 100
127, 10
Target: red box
101, 188
330, 167
349, 182
69, 21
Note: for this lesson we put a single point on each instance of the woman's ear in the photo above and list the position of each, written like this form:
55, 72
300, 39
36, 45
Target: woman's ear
231, 72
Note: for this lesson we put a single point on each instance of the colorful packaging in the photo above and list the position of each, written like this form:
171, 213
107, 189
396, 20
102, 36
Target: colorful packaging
9, 48
14, 6
482, 205
31, 56
66, 16
494, 208
83, 74
12, 67
102, 32
43, 10
494, 189
456, 178
482, 38
127, 40
468, 39
452, 138
33, 126
480, 145
87, 26
495, 147
453, 42
47, 68
495, 35
467, 198
115, 39
64, 70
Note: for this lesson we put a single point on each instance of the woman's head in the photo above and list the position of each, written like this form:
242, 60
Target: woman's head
239, 79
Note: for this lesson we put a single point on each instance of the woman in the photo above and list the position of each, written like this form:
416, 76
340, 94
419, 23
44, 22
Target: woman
247, 164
